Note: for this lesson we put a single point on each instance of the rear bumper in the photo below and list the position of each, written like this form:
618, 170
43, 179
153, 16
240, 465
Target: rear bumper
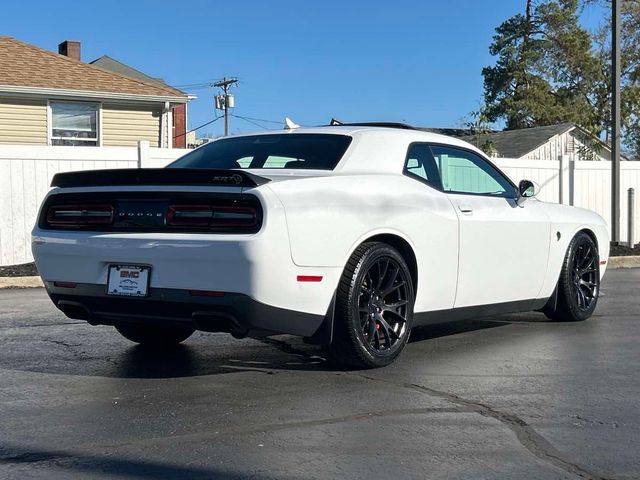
256, 265
235, 313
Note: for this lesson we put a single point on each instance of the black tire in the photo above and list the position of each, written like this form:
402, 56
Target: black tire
374, 308
579, 284
154, 335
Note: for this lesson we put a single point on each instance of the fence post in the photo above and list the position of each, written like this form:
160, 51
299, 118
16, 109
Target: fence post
572, 179
564, 180
631, 217
143, 153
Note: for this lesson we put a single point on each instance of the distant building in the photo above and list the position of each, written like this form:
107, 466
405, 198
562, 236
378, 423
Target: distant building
537, 143
51, 98
178, 111
191, 139
202, 140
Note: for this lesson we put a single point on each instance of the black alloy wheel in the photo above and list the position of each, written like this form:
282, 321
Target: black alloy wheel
374, 308
579, 285
383, 305
585, 275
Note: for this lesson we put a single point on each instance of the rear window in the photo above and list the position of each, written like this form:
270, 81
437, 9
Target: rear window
308, 151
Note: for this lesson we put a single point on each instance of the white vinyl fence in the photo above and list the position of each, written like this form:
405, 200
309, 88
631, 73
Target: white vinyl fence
585, 184
26, 172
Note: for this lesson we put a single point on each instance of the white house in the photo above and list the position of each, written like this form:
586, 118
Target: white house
538, 143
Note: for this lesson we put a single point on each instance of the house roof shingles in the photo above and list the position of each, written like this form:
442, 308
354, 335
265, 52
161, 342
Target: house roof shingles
510, 143
25, 65
518, 143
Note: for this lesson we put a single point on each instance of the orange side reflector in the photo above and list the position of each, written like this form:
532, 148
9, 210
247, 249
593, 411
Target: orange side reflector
309, 278
603, 262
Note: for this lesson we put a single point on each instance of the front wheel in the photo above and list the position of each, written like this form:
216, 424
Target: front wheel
374, 308
579, 284
154, 335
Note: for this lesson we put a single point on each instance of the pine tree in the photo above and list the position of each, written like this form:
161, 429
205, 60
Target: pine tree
551, 70
545, 68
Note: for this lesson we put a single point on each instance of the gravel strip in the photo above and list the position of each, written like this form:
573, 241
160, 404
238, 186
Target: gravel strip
24, 270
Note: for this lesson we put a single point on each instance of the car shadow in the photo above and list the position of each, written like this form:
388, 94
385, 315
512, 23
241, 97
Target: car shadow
430, 332
188, 361
77, 465
286, 353
98, 354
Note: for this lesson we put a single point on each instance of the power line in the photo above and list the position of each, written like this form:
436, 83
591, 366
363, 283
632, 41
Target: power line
190, 88
246, 119
279, 122
198, 127
206, 83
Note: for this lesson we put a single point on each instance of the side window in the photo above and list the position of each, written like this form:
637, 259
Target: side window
462, 171
420, 163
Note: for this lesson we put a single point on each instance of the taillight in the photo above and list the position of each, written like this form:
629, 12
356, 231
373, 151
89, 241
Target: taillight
80, 214
214, 216
189, 215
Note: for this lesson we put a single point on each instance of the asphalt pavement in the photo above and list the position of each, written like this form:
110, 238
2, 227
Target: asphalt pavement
514, 397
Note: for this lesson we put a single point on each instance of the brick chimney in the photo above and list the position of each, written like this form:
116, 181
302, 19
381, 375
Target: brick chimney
70, 48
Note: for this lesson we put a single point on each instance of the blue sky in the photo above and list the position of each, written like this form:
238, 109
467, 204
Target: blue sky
412, 61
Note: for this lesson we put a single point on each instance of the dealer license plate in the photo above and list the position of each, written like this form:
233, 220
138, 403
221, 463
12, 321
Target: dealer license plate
128, 280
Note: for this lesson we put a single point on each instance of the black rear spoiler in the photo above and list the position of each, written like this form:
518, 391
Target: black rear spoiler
157, 176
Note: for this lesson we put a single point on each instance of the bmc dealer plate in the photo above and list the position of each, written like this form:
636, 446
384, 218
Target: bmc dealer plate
128, 280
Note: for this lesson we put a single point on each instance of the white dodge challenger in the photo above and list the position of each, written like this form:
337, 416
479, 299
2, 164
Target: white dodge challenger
348, 235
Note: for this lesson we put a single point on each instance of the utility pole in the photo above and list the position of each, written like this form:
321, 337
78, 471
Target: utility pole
225, 101
615, 121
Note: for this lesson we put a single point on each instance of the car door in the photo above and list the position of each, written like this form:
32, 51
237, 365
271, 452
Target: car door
503, 246
434, 230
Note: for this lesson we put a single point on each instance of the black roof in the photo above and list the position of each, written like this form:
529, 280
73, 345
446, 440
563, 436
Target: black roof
402, 126
113, 65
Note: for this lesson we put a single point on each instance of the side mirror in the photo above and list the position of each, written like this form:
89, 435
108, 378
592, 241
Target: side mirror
526, 189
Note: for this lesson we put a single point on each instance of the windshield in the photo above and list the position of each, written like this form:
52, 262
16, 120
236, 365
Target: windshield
308, 151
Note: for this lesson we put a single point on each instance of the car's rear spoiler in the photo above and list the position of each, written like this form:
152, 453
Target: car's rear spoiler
157, 176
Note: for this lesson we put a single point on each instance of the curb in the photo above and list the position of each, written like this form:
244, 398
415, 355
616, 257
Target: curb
629, 261
20, 282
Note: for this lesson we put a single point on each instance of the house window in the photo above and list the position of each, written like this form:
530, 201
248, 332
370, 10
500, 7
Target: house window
74, 124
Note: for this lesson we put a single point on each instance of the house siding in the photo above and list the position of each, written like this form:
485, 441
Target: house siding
551, 150
569, 143
123, 126
23, 122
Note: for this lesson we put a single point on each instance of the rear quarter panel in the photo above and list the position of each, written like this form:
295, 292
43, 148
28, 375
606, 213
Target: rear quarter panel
328, 217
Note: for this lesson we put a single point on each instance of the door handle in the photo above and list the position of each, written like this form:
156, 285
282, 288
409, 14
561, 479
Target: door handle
465, 208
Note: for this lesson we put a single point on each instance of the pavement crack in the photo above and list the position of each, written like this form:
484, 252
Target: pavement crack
525, 433
62, 343
528, 437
